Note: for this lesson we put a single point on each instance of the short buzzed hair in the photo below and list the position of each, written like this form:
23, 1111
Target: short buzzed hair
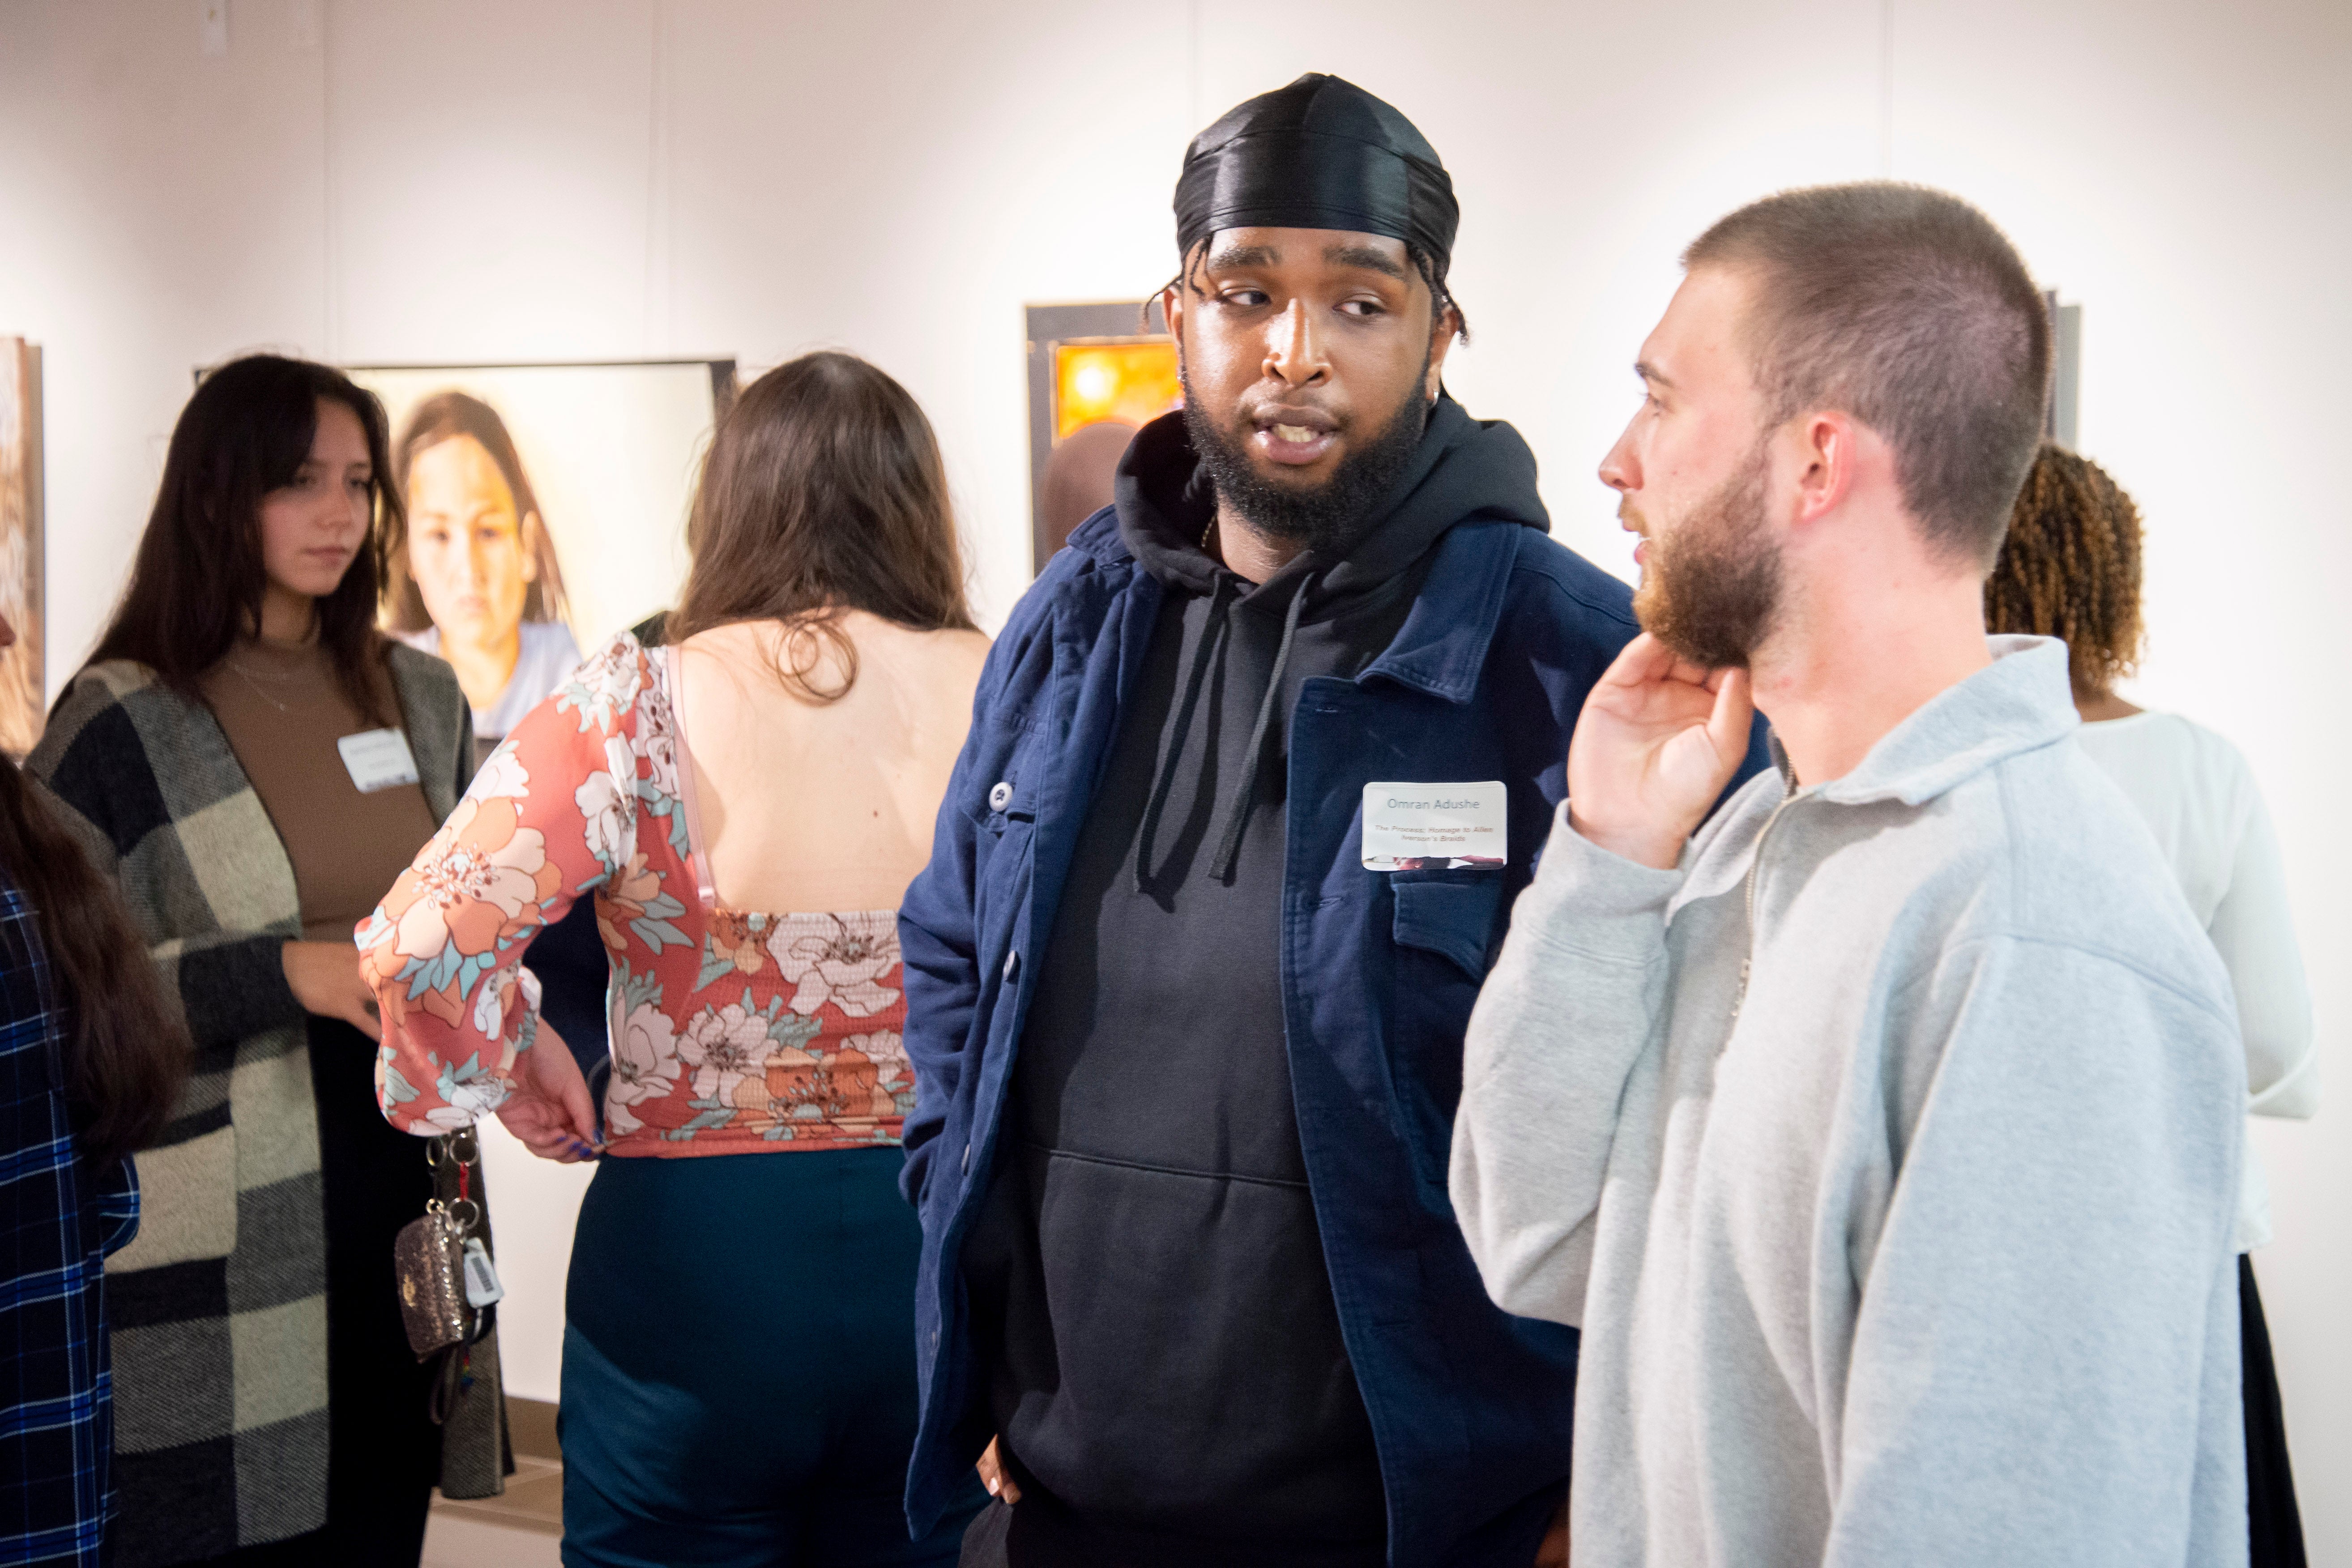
1907, 308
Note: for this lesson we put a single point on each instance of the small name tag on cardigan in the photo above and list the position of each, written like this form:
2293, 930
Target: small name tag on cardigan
1430, 826
378, 759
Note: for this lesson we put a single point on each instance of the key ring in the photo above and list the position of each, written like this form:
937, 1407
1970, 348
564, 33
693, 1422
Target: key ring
460, 1145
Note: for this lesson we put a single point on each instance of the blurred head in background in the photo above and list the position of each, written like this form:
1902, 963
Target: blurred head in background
2070, 569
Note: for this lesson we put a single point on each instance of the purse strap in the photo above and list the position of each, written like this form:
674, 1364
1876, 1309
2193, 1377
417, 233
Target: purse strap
460, 1199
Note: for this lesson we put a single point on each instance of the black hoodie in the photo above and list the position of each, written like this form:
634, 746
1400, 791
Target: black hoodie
1166, 1367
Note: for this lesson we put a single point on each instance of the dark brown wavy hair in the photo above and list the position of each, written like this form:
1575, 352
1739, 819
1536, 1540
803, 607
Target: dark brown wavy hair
824, 493
2070, 569
197, 580
127, 1052
442, 418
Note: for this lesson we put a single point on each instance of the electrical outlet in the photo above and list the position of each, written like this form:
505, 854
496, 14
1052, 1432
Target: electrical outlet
211, 24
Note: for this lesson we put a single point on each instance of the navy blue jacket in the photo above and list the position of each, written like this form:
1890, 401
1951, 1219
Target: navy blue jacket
1470, 1407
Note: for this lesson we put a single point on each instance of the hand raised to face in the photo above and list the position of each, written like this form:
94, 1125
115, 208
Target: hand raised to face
1656, 743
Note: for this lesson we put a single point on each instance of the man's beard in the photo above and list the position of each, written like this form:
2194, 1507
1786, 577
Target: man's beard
1329, 517
1711, 590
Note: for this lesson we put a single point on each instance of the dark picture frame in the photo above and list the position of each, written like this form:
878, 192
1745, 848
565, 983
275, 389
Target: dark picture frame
1049, 329
2061, 422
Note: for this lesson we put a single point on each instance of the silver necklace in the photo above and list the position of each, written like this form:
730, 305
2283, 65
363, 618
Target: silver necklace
246, 675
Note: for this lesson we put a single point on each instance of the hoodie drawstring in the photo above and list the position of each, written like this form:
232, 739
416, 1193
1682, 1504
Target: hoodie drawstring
1245, 793
1219, 625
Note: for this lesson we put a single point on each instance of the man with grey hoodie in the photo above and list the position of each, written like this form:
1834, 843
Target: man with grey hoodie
1883, 1138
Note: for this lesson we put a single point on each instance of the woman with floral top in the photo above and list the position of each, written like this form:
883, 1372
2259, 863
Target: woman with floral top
745, 807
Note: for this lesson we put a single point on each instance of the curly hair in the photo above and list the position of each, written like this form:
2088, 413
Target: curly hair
2070, 569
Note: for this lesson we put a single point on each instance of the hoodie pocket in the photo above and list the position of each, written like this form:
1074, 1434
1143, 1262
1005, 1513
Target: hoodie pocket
1443, 927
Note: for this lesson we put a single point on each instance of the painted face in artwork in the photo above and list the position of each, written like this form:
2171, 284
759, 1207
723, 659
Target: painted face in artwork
469, 551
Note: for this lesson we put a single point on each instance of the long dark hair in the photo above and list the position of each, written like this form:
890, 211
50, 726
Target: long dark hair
824, 493
126, 1052
442, 418
197, 582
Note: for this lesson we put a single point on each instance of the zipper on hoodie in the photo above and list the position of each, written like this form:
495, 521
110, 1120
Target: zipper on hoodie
1755, 866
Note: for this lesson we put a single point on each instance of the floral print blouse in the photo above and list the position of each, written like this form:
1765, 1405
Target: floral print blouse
732, 1031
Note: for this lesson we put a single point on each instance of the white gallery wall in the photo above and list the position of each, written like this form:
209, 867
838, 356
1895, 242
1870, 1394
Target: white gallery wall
380, 180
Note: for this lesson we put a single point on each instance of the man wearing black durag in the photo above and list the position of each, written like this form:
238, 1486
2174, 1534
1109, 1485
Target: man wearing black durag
1185, 1002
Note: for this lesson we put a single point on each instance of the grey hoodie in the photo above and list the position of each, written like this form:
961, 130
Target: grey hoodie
1920, 1253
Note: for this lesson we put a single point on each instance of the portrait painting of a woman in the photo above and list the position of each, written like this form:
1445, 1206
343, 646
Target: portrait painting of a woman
474, 577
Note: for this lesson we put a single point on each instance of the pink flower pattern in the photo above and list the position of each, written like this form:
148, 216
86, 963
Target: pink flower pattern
838, 959
732, 1031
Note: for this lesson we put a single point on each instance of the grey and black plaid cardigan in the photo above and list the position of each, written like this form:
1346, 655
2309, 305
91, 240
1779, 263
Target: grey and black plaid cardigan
219, 1307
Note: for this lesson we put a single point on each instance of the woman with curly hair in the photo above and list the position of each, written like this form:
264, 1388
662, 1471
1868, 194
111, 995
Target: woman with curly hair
2070, 569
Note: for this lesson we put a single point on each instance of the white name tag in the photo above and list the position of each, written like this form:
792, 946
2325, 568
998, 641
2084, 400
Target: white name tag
378, 759
1427, 826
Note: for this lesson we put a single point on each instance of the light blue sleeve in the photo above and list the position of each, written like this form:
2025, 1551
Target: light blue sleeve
2044, 1364
1577, 996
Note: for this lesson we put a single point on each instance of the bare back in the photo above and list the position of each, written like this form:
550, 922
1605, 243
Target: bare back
805, 805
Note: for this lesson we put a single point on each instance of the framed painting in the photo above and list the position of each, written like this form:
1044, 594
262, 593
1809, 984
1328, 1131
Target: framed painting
1097, 374
22, 709
2062, 419
547, 508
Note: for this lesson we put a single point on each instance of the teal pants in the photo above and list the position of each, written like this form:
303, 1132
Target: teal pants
738, 1367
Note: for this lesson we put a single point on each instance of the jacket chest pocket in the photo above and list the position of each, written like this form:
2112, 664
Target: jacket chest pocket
1452, 919
1001, 782
1442, 929
1000, 798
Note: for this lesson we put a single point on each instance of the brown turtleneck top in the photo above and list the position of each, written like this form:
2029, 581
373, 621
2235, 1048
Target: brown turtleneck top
283, 711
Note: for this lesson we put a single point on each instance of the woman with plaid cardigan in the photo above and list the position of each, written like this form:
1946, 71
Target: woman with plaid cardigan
243, 753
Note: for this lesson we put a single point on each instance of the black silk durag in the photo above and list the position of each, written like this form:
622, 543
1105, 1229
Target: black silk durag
1319, 153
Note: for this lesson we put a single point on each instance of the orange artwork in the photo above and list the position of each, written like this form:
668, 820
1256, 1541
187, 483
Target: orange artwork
1130, 383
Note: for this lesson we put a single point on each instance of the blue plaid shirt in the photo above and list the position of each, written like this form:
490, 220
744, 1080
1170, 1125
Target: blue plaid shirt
62, 1217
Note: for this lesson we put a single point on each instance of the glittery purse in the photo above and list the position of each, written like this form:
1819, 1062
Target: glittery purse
429, 1257
449, 1291
429, 1261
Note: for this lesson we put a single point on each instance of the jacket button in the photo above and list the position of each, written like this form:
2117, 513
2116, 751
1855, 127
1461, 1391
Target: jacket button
1012, 962
1001, 796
